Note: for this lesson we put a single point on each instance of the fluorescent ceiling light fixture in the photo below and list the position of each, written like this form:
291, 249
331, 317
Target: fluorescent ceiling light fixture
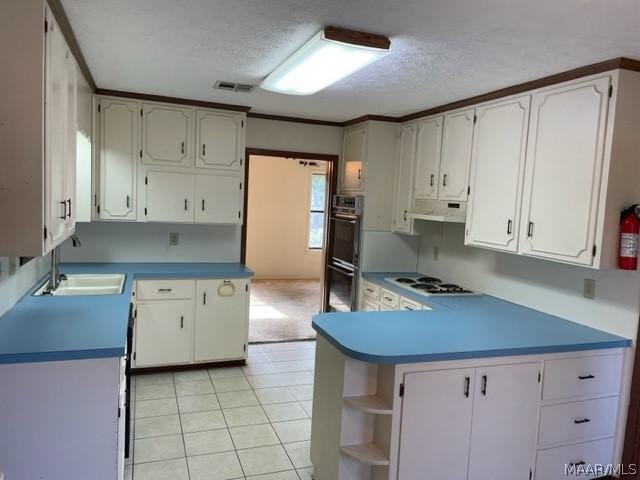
331, 55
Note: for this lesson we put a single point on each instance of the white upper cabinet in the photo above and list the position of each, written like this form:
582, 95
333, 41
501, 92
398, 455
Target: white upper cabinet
404, 179
170, 197
119, 151
497, 171
457, 140
429, 149
563, 173
354, 151
167, 135
56, 136
219, 140
218, 199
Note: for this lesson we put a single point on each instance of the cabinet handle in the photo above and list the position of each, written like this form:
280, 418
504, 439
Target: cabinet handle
64, 214
181, 322
509, 225
69, 213
404, 216
444, 180
203, 150
204, 298
431, 180
584, 420
586, 377
128, 201
164, 290
359, 173
182, 148
203, 204
467, 383
186, 205
483, 387
530, 230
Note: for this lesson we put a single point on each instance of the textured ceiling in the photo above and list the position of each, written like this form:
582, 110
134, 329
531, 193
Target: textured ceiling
443, 50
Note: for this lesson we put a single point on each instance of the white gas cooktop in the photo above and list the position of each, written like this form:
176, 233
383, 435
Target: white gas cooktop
430, 286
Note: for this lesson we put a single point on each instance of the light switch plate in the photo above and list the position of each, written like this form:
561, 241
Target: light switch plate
174, 238
589, 288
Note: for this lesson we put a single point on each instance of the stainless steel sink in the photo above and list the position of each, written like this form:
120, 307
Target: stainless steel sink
89, 284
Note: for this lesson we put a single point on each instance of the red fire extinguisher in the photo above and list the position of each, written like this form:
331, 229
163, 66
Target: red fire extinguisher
629, 229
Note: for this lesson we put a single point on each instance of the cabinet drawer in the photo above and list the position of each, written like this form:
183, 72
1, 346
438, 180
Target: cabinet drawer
582, 377
369, 306
550, 464
406, 304
578, 421
371, 290
165, 289
389, 299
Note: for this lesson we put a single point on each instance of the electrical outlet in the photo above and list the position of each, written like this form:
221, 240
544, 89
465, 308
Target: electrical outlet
589, 289
174, 239
436, 253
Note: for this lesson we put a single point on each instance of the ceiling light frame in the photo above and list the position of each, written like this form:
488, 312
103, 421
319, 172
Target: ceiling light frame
329, 56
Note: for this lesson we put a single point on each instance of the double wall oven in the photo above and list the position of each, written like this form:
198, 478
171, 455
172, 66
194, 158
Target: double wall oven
341, 273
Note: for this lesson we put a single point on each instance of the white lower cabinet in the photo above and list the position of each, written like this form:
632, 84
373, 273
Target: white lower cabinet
471, 419
164, 332
190, 321
436, 424
221, 328
503, 430
473, 423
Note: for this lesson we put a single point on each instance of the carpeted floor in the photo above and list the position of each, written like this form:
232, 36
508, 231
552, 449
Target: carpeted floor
281, 310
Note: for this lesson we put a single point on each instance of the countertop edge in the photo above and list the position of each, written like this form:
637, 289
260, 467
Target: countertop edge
435, 357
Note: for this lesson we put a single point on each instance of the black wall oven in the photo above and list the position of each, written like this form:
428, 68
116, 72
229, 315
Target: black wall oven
343, 254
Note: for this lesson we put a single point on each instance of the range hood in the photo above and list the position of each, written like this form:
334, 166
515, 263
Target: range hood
439, 211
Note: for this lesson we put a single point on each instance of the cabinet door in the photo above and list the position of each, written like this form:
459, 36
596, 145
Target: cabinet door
218, 199
404, 179
56, 206
118, 158
457, 140
428, 158
170, 197
369, 306
222, 319
167, 135
164, 333
563, 173
436, 424
497, 171
505, 413
71, 127
220, 140
354, 151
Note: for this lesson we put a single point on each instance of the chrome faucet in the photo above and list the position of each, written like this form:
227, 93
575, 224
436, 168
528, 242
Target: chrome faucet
54, 275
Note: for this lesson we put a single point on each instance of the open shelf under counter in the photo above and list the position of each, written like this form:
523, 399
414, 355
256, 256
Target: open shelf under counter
369, 404
367, 453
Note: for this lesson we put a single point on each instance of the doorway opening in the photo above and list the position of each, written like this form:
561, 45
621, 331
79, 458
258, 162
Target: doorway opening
284, 238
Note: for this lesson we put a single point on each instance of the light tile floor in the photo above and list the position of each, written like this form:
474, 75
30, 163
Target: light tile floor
251, 422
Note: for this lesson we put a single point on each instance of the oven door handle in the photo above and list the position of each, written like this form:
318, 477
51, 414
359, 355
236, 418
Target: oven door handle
344, 219
340, 270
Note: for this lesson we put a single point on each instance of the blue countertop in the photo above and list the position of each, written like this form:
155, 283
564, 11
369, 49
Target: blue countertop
457, 328
50, 328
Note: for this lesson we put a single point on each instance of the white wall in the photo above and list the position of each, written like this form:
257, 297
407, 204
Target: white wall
149, 242
294, 137
278, 219
15, 280
388, 252
550, 287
